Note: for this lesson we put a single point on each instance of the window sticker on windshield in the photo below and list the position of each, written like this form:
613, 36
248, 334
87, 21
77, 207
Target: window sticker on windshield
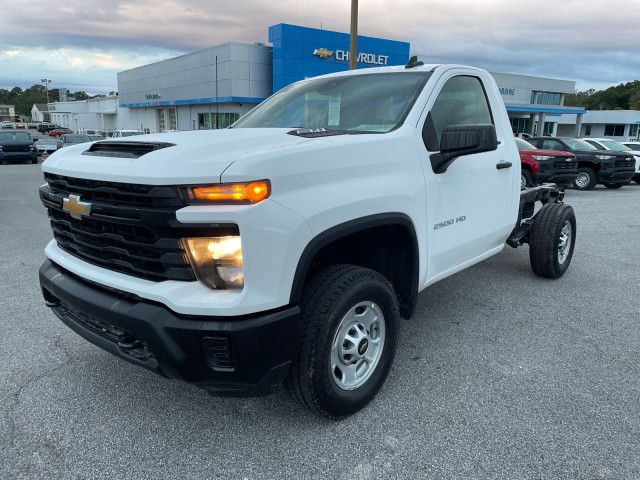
334, 110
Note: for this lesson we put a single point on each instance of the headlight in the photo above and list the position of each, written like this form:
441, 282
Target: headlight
604, 157
217, 261
229, 193
542, 157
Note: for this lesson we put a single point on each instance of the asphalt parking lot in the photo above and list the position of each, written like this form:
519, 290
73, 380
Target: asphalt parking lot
499, 375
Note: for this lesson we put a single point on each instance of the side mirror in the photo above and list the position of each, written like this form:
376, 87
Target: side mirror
461, 140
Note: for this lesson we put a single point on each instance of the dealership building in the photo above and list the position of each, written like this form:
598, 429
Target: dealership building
212, 88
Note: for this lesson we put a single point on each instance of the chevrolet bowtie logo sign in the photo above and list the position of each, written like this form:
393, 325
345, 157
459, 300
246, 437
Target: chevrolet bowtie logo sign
75, 207
323, 53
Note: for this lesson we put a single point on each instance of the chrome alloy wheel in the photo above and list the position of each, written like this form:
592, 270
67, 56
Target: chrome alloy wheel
582, 180
564, 242
357, 345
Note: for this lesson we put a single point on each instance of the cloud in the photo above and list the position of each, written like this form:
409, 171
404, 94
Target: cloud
567, 39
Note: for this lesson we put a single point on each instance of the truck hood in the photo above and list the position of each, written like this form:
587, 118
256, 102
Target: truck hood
180, 157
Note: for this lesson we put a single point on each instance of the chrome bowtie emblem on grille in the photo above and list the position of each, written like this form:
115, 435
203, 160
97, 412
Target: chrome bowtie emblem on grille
76, 207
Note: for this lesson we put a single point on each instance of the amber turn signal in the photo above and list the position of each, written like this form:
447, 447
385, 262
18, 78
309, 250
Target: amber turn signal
250, 192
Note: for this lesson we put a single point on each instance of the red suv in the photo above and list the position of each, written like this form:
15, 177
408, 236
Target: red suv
545, 166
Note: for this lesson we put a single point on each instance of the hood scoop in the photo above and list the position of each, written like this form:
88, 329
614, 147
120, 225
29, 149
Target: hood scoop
124, 149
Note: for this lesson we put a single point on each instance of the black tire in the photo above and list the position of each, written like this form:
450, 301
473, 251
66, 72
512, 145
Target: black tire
526, 179
552, 239
586, 179
636, 178
614, 186
337, 304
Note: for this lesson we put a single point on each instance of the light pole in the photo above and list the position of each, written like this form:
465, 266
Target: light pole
46, 82
353, 36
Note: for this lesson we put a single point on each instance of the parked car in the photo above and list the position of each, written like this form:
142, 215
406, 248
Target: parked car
46, 146
611, 169
7, 125
20, 126
59, 131
17, 146
545, 166
47, 127
608, 144
126, 133
32, 126
72, 139
633, 145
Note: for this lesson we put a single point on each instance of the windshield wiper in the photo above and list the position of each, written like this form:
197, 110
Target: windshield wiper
321, 132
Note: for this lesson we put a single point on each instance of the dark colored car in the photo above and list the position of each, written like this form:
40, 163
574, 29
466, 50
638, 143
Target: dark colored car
72, 139
59, 131
606, 167
17, 146
47, 127
545, 166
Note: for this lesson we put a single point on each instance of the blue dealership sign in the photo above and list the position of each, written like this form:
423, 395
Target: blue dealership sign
301, 52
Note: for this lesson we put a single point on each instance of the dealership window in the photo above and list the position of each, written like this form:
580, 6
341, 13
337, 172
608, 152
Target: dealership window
546, 98
611, 130
587, 130
633, 130
173, 119
208, 121
520, 125
162, 126
548, 128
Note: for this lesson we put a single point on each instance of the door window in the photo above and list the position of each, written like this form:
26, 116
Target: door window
462, 101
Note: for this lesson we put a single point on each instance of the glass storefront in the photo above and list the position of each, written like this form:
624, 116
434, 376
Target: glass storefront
208, 121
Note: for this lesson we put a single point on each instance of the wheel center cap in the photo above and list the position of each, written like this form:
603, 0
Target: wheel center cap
363, 346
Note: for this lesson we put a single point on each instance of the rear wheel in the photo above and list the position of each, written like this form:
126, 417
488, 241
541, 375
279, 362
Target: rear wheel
585, 179
350, 331
552, 239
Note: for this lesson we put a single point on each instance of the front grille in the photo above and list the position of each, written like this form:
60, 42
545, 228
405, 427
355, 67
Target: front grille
130, 229
561, 163
15, 148
625, 163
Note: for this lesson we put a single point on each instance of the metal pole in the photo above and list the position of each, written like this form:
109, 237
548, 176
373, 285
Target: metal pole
217, 112
353, 41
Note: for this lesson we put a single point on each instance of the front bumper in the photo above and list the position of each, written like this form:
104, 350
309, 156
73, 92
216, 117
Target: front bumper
19, 156
609, 174
559, 178
232, 356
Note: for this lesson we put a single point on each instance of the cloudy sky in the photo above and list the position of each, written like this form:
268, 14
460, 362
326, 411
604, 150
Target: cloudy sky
82, 44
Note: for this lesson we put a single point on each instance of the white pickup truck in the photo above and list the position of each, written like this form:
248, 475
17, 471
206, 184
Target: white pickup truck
286, 249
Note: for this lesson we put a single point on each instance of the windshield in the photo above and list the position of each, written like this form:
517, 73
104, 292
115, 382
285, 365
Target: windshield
367, 103
577, 144
13, 136
131, 134
613, 145
524, 145
76, 138
46, 141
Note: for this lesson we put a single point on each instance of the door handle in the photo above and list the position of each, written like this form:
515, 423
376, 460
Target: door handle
502, 165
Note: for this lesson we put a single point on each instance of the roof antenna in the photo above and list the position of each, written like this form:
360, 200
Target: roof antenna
413, 62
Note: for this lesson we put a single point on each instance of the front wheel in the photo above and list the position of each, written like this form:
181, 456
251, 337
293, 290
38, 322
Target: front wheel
551, 240
585, 179
526, 179
350, 331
